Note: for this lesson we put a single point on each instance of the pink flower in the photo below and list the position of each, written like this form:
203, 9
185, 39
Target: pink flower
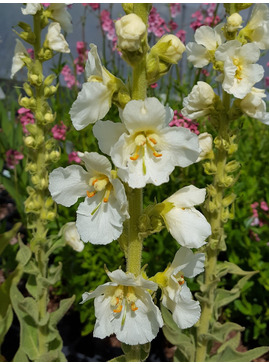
94, 6
154, 85
172, 25
45, 4
81, 47
264, 206
13, 157
31, 53
157, 24
266, 81
26, 117
73, 157
59, 131
181, 34
205, 72
108, 26
180, 120
175, 9
68, 76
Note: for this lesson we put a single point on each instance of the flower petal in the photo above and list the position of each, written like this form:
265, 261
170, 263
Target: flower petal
197, 54
107, 134
66, 185
188, 196
102, 226
189, 227
93, 103
189, 263
96, 164
93, 65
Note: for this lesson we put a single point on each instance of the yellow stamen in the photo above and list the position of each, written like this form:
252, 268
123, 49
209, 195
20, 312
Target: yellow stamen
118, 309
91, 194
94, 181
153, 140
135, 155
107, 193
134, 307
181, 280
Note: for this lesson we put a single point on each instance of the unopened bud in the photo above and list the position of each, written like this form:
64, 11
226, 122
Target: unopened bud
232, 166
48, 80
25, 102
49, 118
51, 215
234, 22
54, 156
29, 141
130, 30
27, 89
169, 48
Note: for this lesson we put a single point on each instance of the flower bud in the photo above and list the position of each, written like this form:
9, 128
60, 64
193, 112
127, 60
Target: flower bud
54, 156
51, 215
35, 79
29, 142
199, 102
49, 79
234, 22
49, 118
205, 143
169, 48
232, 166
71, 236
24, 102
35, 179
31, 167
210, 168
130, 30
27, 89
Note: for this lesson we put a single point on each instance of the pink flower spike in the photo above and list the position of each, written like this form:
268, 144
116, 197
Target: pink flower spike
264, 206
181, 34
73, 157
59, 131
13, 157
175, 9
22, 110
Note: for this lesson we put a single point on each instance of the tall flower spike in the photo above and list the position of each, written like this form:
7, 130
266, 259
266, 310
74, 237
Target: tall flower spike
94, 100
124, 307
176, 296
144, 147
100, 217
186, 224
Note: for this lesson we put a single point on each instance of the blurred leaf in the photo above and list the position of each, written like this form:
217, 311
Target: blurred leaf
7, 236
24, 254
230, 355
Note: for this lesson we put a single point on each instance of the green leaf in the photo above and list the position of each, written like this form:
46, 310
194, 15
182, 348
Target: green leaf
28, 328
20, 356
24, 254
136, 352
119, 359
7, 236
51, 356
29, 306
57, 315
56, 245
224, 268
175, 336
230, 355
233, 343
31, 268
5, 323
220, 331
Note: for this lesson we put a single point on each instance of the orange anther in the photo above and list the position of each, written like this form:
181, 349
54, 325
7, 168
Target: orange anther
181, 280
153, 140
156, 154
93, 182
91, 194
134, 307
134, 157
118, 309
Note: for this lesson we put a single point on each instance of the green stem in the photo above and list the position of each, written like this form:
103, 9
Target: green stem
212, 249
134, 250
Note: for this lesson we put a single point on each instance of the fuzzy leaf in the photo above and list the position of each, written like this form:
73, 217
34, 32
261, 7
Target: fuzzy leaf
24, 254
57, 315
233, 343
224, 268
20, 356
55, 245
51, 356
29, 306
175, 336
220, 331
5, 323
229, 354
142, 351
7, 236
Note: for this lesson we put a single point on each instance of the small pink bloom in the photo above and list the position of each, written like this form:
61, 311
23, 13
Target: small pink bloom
180, 121
73, 157
157, 24
266, 81
264, 206
254, 236
68, 76
31, 53
81, 47
59, 131
254, 205
45, 4
26, 117
205, 72
181, 34
13, 157
154, 85
95, 6
267, 64
172, 25
175, 9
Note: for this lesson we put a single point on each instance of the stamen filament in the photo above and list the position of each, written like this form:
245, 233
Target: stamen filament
118, 309
107, 193
91, 194
135, 156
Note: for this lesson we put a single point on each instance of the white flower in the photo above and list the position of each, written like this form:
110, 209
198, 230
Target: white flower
124, 307
19, 54
186, 224
130, 30
234, 22
253, 105
169, 48
205, 143
31, 9
61, 15
199, 102
176, 296
94, 100
71, 236
257, 29
240, 72
145, 148
101, 215
55, 39
207, 41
